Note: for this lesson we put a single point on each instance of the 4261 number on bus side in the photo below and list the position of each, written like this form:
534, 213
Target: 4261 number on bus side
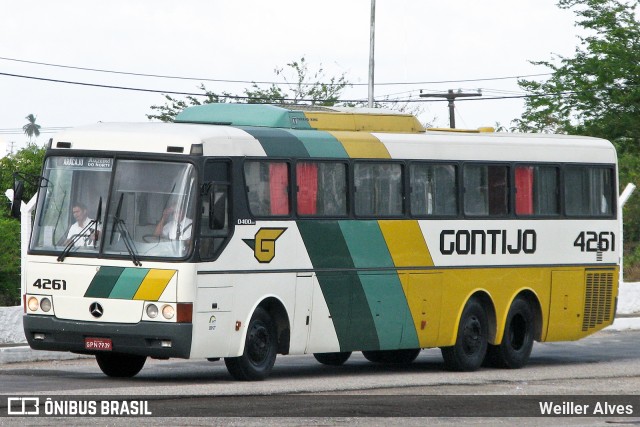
592, 241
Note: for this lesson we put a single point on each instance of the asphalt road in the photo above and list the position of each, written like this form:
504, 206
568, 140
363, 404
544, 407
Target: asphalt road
605, 366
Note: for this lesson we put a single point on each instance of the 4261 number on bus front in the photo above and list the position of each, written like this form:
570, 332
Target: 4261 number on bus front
592, 241
51, 284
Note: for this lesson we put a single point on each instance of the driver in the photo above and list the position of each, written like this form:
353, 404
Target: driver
79, 211
174, 224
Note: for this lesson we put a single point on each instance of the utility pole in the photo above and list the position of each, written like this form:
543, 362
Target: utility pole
451, 97
372, 37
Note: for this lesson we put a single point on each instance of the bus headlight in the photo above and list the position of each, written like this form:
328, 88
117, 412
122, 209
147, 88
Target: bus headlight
45, 304
168, 312
33, 304
152, 311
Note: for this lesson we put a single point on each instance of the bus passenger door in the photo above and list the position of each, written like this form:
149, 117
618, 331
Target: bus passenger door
302, 313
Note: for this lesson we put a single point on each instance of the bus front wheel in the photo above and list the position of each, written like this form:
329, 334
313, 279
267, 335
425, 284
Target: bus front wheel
120, 365
260, 349
468, 353
517, 342
332, 359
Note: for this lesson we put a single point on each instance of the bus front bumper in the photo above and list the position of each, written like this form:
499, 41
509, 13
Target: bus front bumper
154, 339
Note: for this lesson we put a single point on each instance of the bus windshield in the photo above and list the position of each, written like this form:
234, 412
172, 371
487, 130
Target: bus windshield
121, 208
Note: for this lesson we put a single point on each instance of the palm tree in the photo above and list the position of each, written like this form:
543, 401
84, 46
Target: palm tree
31, 129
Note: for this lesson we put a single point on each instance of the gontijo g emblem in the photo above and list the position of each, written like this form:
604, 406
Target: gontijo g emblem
264, 243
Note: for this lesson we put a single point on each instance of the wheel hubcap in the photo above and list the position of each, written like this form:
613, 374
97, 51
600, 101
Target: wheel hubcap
518, 332
258, 345
472, 335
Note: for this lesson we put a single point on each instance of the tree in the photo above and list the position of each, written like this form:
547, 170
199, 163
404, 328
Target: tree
27, 161
31, 129
9, 261
596, 92
302, 86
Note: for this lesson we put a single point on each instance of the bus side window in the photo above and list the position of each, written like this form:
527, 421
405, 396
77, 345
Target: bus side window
267, 187
434, 189
537, 190
588, 191
524, 190
486, 190
378, 189
321, 188
214, 224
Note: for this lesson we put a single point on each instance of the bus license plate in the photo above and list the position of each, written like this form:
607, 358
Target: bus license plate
102, 344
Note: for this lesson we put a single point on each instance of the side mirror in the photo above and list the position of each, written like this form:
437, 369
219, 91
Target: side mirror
217, 208
18, 190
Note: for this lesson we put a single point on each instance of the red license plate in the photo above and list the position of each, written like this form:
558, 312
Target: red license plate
101, 344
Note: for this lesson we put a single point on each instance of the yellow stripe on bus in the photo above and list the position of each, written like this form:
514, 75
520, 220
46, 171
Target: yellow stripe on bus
408, 248
153, 285
406, 243
362, 145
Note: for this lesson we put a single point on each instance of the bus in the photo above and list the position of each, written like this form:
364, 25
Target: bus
246, 231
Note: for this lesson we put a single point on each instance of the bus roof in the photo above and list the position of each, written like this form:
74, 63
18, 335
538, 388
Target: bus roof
224, 140
302, 117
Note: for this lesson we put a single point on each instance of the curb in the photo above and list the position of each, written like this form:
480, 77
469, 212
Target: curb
21, 352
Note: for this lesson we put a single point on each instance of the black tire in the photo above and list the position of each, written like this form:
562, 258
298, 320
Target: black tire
517, 341
260, 350
332, 359
395, 357
118, 365
468, 353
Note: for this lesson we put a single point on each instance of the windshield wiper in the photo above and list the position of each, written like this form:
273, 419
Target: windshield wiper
124, 232
98, 222
82, 232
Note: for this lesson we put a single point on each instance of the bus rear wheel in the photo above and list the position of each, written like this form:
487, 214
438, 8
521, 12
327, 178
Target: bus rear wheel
120, 365
468, 353
397, 357
517, 342
332, 359
260, 349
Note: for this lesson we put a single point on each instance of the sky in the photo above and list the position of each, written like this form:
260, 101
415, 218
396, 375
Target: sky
417, 43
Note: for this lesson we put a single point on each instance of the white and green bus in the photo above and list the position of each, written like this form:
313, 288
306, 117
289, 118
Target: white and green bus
246, 231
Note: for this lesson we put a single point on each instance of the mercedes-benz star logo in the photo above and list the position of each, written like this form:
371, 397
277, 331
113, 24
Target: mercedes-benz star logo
96, 309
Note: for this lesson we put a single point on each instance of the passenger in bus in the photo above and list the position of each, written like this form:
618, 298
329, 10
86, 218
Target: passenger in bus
86, 237
174, 225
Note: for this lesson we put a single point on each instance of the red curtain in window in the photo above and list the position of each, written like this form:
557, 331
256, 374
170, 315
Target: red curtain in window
278, 188
307, 181
524, 190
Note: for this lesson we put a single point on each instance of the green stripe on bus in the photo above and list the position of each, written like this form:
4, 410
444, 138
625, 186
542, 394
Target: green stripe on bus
342, 290
128, 283
277, 142
383, 290
320, 144
103, 282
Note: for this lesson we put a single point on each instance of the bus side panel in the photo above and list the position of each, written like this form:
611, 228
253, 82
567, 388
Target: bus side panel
212, 317
250, 291
501, 285
322, 335
582, 302
305, 284
424, 295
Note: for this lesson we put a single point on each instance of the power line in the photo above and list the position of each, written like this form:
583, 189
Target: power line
99, 70
251, 98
